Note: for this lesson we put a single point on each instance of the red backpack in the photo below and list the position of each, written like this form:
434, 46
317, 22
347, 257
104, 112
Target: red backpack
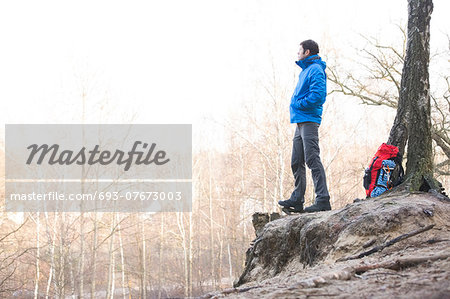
392, 176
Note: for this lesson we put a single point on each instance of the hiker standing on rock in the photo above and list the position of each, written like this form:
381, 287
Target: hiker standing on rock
306, 112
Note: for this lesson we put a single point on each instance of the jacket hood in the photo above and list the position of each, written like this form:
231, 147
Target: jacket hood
304, 63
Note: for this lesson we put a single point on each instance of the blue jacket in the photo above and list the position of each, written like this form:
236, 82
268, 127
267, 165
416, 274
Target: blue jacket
311, 91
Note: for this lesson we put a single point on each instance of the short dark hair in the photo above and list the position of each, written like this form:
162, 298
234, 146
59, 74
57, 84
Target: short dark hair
310, 45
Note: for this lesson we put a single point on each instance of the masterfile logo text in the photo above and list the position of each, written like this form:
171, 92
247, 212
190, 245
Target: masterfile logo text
91, 157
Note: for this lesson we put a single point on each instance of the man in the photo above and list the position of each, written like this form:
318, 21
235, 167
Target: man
306, 112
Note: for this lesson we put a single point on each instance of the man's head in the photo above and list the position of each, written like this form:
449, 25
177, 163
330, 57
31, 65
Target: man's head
307, 48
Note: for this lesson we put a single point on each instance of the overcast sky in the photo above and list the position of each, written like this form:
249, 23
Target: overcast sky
169, 61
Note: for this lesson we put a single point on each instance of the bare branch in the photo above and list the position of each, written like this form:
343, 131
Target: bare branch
14, 231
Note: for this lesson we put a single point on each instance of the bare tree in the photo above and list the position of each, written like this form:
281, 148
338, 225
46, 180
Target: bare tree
111, 253
160, 257
122, 257
415, 94
37, 220
51, 235
211, 223
391, 86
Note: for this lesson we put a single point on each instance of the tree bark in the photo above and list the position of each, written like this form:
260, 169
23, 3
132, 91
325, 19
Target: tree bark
399, 131
62, 256
122, 260
72, 280
111, 266
211, 227
52, 238
94, 257
161, 247
265, 208
144, 261
182, 230
38, 256
416, 77
413, 120
191, 241
81, 270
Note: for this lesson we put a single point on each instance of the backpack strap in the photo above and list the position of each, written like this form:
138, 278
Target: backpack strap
400, 175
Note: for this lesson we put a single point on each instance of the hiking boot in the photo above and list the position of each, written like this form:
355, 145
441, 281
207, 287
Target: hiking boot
295, 205
291, 211
318, 207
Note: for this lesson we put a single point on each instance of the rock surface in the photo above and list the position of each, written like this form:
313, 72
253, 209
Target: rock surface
297, 256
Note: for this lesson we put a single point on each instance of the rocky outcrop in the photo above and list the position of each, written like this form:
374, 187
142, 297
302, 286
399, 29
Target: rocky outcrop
294, 242
259, 220
323, 246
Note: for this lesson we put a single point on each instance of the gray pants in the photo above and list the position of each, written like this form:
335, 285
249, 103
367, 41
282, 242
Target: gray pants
306, 149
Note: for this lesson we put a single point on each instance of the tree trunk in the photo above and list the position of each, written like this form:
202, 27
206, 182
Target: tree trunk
113, 274
62, 256
144, 261
83, 176
211, 228
38, 256
110, 284
72, 280
420, 154
399, 131
122, 259
52, 238
81, 270
161, 247
219, 258
191, 241
181, 228
265, 208
413, 120
94, 257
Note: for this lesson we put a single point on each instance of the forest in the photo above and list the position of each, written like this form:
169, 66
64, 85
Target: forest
187, 254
